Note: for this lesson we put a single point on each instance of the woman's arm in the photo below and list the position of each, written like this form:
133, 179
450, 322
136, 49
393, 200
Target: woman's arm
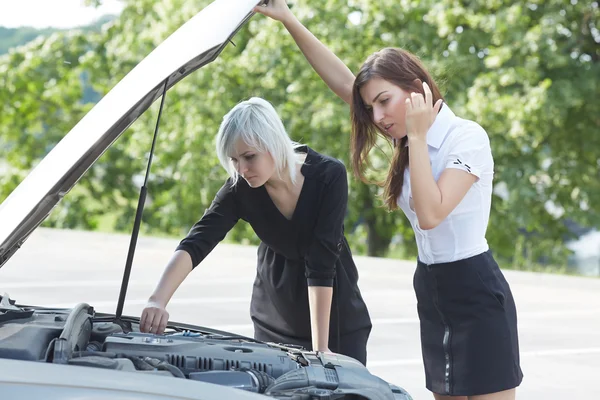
330, 68
319, 298
434, 201
155, 316
323, 254
218, 219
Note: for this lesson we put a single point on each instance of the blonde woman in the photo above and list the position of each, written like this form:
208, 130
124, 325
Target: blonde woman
305, 292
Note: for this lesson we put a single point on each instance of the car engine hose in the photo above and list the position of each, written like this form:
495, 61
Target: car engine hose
78, 354
140, 363
245, 379
263, 379
75, 334
317, 377
162, 365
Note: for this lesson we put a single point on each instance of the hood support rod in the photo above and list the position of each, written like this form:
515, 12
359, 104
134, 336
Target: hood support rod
138, 215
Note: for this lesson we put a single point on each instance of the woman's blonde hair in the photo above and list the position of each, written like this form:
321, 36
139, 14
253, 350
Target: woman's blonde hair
257, 123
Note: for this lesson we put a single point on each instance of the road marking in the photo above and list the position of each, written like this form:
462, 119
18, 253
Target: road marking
374, 321
111, 283
523, 316
561, 352
393, 363
530, 353
557, 313
415, 320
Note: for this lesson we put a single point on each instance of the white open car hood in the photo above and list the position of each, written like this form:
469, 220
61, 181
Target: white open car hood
195, 44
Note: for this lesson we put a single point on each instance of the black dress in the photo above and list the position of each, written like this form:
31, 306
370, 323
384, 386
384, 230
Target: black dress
309, 249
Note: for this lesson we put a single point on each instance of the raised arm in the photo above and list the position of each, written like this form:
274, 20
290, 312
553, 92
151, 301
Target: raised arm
330, 68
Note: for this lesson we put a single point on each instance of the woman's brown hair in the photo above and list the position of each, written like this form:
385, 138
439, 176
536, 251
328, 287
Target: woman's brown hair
405, 70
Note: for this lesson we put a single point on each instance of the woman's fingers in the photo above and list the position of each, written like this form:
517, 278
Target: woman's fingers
148, 320
438, 105
428, 95
417, 99
143, 319
164, 320
275, 9
420, 113
154, 319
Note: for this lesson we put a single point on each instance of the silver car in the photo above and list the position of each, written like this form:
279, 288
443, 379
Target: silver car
79, 354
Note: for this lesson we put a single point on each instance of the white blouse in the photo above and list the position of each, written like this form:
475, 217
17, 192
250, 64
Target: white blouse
455, 142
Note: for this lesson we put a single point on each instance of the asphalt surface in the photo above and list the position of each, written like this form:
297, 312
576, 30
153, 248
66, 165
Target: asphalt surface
559, 316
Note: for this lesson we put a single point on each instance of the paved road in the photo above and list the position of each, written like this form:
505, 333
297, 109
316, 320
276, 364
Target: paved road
559, 317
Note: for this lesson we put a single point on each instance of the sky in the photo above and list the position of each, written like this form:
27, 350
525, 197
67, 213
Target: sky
53, 13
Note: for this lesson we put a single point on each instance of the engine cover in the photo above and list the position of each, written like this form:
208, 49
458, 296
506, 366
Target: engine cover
195, 354
28, 338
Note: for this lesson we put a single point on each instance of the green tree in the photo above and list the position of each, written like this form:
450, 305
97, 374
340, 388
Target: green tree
527, 72
41, 89
15, 37
537, 97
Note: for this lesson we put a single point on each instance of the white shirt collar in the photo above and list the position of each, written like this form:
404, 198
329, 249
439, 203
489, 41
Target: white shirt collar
441, 126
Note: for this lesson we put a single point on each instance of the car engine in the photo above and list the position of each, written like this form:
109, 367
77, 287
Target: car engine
83, 338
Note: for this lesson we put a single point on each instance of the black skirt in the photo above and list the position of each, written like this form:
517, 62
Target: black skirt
468, 324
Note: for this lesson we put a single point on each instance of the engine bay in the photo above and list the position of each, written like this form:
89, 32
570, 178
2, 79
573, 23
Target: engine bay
80, 337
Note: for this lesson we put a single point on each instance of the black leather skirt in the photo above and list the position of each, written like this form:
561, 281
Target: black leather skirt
468, 325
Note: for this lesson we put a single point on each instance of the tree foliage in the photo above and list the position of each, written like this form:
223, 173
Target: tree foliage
15, 37
526, 71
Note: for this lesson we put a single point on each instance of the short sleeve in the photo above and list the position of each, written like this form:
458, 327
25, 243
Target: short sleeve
324, 249
470, 151
218, 219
